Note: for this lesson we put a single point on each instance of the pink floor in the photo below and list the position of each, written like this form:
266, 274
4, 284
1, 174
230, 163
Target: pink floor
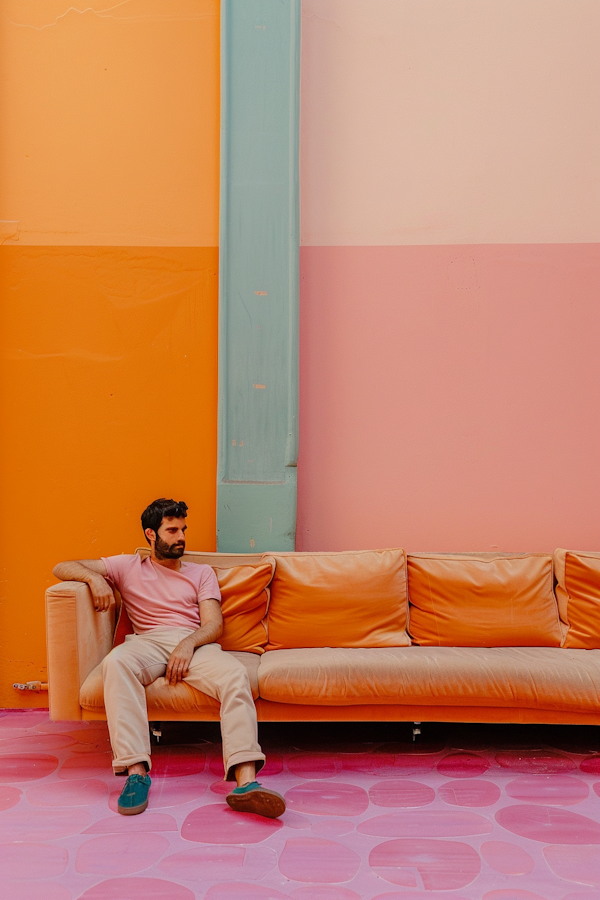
469, 813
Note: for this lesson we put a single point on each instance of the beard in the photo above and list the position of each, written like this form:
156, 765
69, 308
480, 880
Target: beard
168, 551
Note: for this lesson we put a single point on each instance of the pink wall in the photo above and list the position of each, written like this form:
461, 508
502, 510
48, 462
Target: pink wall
450, 377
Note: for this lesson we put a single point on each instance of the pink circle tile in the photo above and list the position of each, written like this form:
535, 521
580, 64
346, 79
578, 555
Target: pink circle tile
322, 798
23, 891
426, 823
67, 793
591, 765
9, 796
324, 892
332, 827
579, 864
167, 792
370, 763
120, 854
506, 858
125, 824
238, 890
442, 865
296, 821
512, 894
549, 824
172, 762
411, 764
404, 794
317, 859
42, 824
217, 824
556, 790
463, 765
29, 861
222, 788
137, 889
595, 786
541, 762
470, 792
420, 747
315, 765
34, 743
87, 765
26, 767
210, 863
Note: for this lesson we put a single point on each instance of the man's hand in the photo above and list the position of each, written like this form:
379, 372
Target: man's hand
101, 592
179, 661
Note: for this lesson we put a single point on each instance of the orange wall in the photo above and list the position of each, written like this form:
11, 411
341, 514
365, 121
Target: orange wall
109, 188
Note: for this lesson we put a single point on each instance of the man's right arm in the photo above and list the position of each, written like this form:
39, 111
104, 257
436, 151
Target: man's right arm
93, 572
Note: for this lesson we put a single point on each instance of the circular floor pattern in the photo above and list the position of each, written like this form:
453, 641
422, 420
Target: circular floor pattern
474, 792
549, 824
217, 824
120, 854
426, 823
29, 860
507, 858
317, 859
555, 790
84, 792
402, 794
138, 889
9, 796
579, 864
323, 798
462, 765
210, 863
43, 825
442, 865
26, 766
542, 762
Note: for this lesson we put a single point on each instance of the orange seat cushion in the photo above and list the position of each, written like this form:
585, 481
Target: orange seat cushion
353, 599
244, 603
483, 600
578, 594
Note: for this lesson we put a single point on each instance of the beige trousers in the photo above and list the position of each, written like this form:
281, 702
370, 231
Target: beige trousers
140, 660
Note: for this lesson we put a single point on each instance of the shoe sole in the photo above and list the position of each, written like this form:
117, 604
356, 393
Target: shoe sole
261, 801
133, 810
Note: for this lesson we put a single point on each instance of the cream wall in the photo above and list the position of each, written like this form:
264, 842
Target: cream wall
450, 121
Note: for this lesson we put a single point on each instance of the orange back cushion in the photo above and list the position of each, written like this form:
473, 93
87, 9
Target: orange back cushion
578, 594
353, 599
482, 600
244, 602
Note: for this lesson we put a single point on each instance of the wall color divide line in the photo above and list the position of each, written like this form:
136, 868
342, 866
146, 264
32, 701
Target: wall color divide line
259, 239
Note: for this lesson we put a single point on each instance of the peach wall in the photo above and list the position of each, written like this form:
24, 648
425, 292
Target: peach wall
108, 330
450, 121
449, 275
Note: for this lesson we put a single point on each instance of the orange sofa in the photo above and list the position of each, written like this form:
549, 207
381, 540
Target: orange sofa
371, 635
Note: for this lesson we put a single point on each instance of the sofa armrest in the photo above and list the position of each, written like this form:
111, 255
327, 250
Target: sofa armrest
78, 638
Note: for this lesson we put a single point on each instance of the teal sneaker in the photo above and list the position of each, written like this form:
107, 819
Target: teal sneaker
134, 796
255, 798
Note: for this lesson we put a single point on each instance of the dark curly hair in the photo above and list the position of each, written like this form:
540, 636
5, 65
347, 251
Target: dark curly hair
160, 509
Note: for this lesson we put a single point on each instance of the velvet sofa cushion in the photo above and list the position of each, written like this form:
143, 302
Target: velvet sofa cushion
352, 599
483, 600
578, 595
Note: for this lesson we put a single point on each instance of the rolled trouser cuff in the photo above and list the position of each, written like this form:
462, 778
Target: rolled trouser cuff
240, 757
120, 766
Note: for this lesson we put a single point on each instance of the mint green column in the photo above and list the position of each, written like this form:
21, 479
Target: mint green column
258, 279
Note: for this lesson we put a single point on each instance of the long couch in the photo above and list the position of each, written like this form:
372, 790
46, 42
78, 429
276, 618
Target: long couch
370, 635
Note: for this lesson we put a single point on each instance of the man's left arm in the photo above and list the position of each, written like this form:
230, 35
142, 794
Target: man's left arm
211, 629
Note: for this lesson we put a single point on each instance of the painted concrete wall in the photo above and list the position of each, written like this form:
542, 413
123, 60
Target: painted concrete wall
450, 269
109, 196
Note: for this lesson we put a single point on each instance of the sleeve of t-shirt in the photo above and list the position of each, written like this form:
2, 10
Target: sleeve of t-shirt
208, 589
117, 568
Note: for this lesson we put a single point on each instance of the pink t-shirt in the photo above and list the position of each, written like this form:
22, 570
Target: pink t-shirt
157, 597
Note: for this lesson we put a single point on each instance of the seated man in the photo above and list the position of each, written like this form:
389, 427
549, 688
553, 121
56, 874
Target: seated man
175, 611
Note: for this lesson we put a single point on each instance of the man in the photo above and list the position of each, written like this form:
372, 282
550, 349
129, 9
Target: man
175, 610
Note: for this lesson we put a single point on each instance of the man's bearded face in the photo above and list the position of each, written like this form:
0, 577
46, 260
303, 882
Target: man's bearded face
170, 539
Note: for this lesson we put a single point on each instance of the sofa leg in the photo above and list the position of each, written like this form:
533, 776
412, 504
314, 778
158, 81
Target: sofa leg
156, 730
416, 730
